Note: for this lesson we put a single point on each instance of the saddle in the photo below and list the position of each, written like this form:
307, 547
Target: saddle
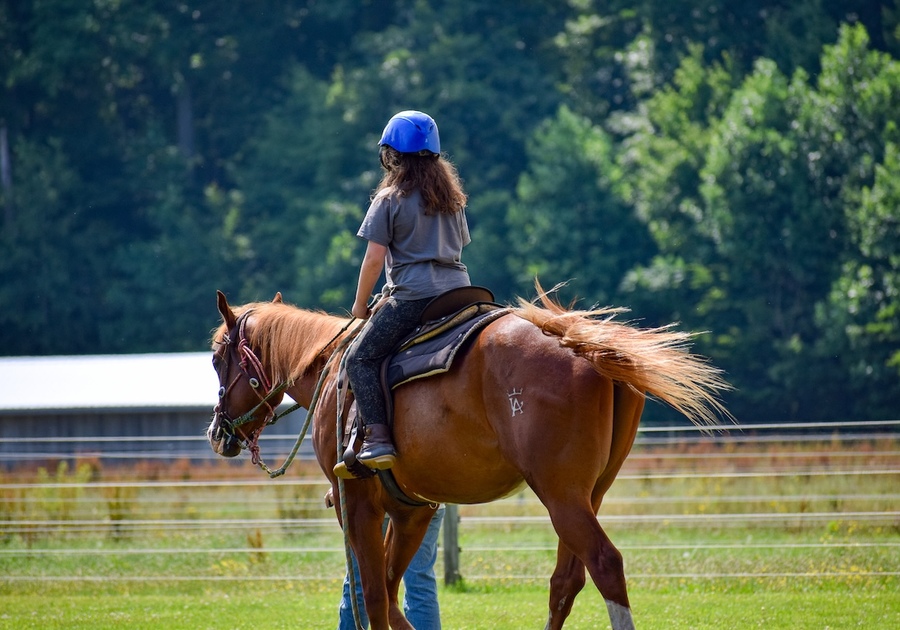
448, 323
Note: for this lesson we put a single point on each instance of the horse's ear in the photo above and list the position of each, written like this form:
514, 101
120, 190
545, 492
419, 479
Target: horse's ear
225, 310
277, 299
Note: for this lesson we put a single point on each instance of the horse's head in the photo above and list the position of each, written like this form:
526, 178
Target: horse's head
247, 397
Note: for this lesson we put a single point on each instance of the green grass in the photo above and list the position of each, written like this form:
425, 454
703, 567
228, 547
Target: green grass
767, 578
807, 604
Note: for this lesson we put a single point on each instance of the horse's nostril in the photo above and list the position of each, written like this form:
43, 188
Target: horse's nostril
231, 446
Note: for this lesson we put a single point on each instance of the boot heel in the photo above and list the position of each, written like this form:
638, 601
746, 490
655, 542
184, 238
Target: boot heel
377, 450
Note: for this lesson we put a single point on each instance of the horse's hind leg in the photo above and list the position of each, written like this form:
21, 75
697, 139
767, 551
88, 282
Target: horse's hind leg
583, 543
568, 578
588, 545
565, 583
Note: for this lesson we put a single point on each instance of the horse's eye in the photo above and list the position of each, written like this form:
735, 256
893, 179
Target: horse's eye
222, 392
254, 383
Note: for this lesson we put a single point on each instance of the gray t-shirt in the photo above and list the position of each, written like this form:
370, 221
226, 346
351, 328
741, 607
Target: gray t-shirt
424, 250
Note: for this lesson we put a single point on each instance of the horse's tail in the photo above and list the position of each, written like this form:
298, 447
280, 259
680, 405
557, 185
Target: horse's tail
650, 360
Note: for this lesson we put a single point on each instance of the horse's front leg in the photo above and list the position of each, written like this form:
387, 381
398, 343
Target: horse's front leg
365, 529
403, 538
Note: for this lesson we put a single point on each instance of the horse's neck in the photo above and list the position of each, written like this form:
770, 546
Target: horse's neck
304, 386
323, 334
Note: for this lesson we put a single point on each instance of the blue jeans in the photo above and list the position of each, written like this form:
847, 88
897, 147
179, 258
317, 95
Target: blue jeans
420, 603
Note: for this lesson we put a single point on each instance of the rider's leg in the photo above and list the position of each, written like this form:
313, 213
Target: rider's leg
389, 325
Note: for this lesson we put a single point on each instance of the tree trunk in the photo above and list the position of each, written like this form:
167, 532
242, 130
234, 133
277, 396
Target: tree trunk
185, 115
6, 179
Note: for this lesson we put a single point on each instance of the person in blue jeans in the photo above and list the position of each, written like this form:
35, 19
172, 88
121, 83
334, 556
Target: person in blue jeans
420, 602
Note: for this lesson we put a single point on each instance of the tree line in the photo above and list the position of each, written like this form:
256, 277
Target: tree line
733, 167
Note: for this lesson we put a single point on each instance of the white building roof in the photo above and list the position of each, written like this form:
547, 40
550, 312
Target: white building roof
108, 381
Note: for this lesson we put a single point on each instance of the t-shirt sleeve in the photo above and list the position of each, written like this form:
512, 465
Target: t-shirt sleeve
378, 224
464, 229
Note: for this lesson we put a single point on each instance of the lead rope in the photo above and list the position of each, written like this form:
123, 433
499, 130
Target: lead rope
348, 552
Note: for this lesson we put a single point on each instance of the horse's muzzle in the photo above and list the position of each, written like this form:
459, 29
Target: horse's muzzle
222, 442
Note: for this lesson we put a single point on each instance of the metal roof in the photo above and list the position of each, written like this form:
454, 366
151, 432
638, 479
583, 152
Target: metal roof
108, 382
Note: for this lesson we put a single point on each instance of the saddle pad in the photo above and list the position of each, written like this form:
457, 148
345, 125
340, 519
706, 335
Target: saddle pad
435, 355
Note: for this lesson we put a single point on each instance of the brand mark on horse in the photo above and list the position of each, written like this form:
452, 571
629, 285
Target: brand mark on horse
516, 405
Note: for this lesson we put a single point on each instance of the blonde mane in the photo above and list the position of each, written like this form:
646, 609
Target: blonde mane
289, 339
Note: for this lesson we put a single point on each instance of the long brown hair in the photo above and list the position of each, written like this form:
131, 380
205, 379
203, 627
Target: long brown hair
435, 177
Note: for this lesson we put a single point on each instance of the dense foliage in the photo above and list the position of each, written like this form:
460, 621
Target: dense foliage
731, 166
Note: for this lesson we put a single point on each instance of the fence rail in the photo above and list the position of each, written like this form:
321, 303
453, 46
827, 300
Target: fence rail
831, 488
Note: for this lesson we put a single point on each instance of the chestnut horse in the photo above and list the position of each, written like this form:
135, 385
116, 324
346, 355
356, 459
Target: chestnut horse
544, 396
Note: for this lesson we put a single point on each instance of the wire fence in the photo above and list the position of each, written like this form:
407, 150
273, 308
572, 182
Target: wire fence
748, 503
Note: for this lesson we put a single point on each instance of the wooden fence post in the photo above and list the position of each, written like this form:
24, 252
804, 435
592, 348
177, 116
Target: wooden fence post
451, 545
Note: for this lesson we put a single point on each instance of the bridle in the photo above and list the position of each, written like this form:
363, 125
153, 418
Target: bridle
250, 368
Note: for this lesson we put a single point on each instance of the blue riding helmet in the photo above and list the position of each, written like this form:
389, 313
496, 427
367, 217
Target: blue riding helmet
411, 132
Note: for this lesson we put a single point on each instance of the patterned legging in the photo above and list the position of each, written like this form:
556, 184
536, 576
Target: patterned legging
388, 327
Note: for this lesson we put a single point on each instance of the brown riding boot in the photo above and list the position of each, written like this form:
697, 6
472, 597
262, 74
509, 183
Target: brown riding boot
377, 450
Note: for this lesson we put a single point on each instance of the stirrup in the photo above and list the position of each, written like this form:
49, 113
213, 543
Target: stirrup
340, 470
348, 467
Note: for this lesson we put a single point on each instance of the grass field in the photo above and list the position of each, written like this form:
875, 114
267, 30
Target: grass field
794, 538
782, 604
